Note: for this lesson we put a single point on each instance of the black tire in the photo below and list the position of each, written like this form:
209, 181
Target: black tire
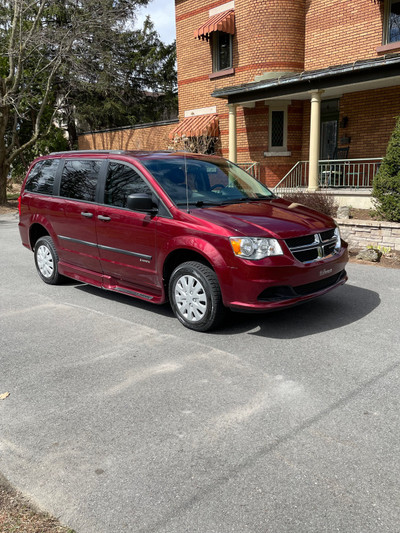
46, 260
195, 296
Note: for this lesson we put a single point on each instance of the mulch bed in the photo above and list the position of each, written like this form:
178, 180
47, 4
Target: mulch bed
390, 260
18, 515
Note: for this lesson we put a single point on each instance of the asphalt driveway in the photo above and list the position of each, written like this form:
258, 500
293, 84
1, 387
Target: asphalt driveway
121, 420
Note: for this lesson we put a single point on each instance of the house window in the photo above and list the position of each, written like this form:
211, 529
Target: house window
278, 129
222, 51
392, 22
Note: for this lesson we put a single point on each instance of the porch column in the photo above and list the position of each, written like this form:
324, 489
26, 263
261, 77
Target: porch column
315, 128
232, 133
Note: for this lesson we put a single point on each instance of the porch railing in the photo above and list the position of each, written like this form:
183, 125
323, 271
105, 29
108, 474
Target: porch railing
332, 173
252, 168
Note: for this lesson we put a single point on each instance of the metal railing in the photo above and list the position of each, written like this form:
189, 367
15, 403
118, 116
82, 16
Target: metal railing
333, 173
252, 168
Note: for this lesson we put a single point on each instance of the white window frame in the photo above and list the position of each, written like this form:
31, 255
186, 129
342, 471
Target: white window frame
386, 18
215, 52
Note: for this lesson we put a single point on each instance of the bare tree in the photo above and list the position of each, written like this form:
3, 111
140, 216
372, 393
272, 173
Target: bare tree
202, 144
42, 43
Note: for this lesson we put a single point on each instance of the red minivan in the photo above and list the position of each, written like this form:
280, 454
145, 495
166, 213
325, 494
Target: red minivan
193, 229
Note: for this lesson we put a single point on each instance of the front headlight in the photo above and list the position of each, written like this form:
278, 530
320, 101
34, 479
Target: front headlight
338, 244
255, 248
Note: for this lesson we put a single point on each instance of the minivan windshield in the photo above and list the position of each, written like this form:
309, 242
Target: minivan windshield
205, 181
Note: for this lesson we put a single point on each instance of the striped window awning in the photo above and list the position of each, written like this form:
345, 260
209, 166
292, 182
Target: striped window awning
198, 126
224, 21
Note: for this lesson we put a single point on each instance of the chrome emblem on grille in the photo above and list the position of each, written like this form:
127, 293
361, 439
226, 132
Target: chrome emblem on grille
316, 247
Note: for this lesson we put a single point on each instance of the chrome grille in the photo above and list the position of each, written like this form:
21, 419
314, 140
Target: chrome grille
309, 248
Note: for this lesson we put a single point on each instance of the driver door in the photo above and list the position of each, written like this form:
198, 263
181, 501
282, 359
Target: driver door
126, 239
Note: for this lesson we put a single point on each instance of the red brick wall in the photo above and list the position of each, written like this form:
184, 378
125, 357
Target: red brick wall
252, 139
260, 25
341, 31
369, 131
146, 138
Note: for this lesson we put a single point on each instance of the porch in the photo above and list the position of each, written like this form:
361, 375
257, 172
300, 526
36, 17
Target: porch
348, 180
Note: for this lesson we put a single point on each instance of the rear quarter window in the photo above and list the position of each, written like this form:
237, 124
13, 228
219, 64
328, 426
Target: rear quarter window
42, 176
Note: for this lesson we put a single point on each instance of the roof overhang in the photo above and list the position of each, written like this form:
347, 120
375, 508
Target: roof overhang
334, 81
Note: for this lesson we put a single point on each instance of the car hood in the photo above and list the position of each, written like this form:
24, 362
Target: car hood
278, 218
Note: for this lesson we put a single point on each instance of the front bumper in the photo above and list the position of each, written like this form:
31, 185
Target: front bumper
257, 287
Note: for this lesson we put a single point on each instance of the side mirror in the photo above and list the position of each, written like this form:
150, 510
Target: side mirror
141, 202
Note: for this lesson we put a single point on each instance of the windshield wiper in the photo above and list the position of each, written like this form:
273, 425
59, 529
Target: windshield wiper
260, 198
245, 199
199, 203
227, 201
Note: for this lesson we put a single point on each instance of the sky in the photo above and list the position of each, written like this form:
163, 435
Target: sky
162, 13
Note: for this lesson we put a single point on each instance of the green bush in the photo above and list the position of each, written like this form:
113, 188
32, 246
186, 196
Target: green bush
320, 201
386, 185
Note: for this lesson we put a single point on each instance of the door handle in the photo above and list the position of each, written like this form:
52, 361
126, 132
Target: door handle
87, 215
102, 217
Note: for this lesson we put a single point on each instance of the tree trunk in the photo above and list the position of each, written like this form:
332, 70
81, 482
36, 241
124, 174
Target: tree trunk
4, 170
72, 134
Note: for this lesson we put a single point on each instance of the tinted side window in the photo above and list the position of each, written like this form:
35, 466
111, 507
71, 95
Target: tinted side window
121, 182
79, 179
41, 178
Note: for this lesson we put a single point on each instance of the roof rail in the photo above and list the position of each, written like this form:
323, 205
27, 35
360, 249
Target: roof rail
89, 152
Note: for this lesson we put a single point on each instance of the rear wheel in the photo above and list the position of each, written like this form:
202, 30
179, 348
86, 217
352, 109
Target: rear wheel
195, 296
46, 260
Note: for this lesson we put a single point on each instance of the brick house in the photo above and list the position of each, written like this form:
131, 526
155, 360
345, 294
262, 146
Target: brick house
286, 84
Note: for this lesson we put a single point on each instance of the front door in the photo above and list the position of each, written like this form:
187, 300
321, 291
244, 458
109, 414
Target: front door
328, 139
329, 128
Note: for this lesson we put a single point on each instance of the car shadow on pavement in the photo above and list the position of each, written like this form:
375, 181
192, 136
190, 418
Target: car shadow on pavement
163, 309
334, 310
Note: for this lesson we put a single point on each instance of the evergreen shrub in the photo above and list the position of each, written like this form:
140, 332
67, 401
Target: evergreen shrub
386, 185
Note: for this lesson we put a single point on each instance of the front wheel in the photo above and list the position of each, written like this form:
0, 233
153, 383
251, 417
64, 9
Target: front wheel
46, 260
195, 296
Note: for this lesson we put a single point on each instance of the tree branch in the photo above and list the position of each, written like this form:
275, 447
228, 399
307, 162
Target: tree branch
36, 132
